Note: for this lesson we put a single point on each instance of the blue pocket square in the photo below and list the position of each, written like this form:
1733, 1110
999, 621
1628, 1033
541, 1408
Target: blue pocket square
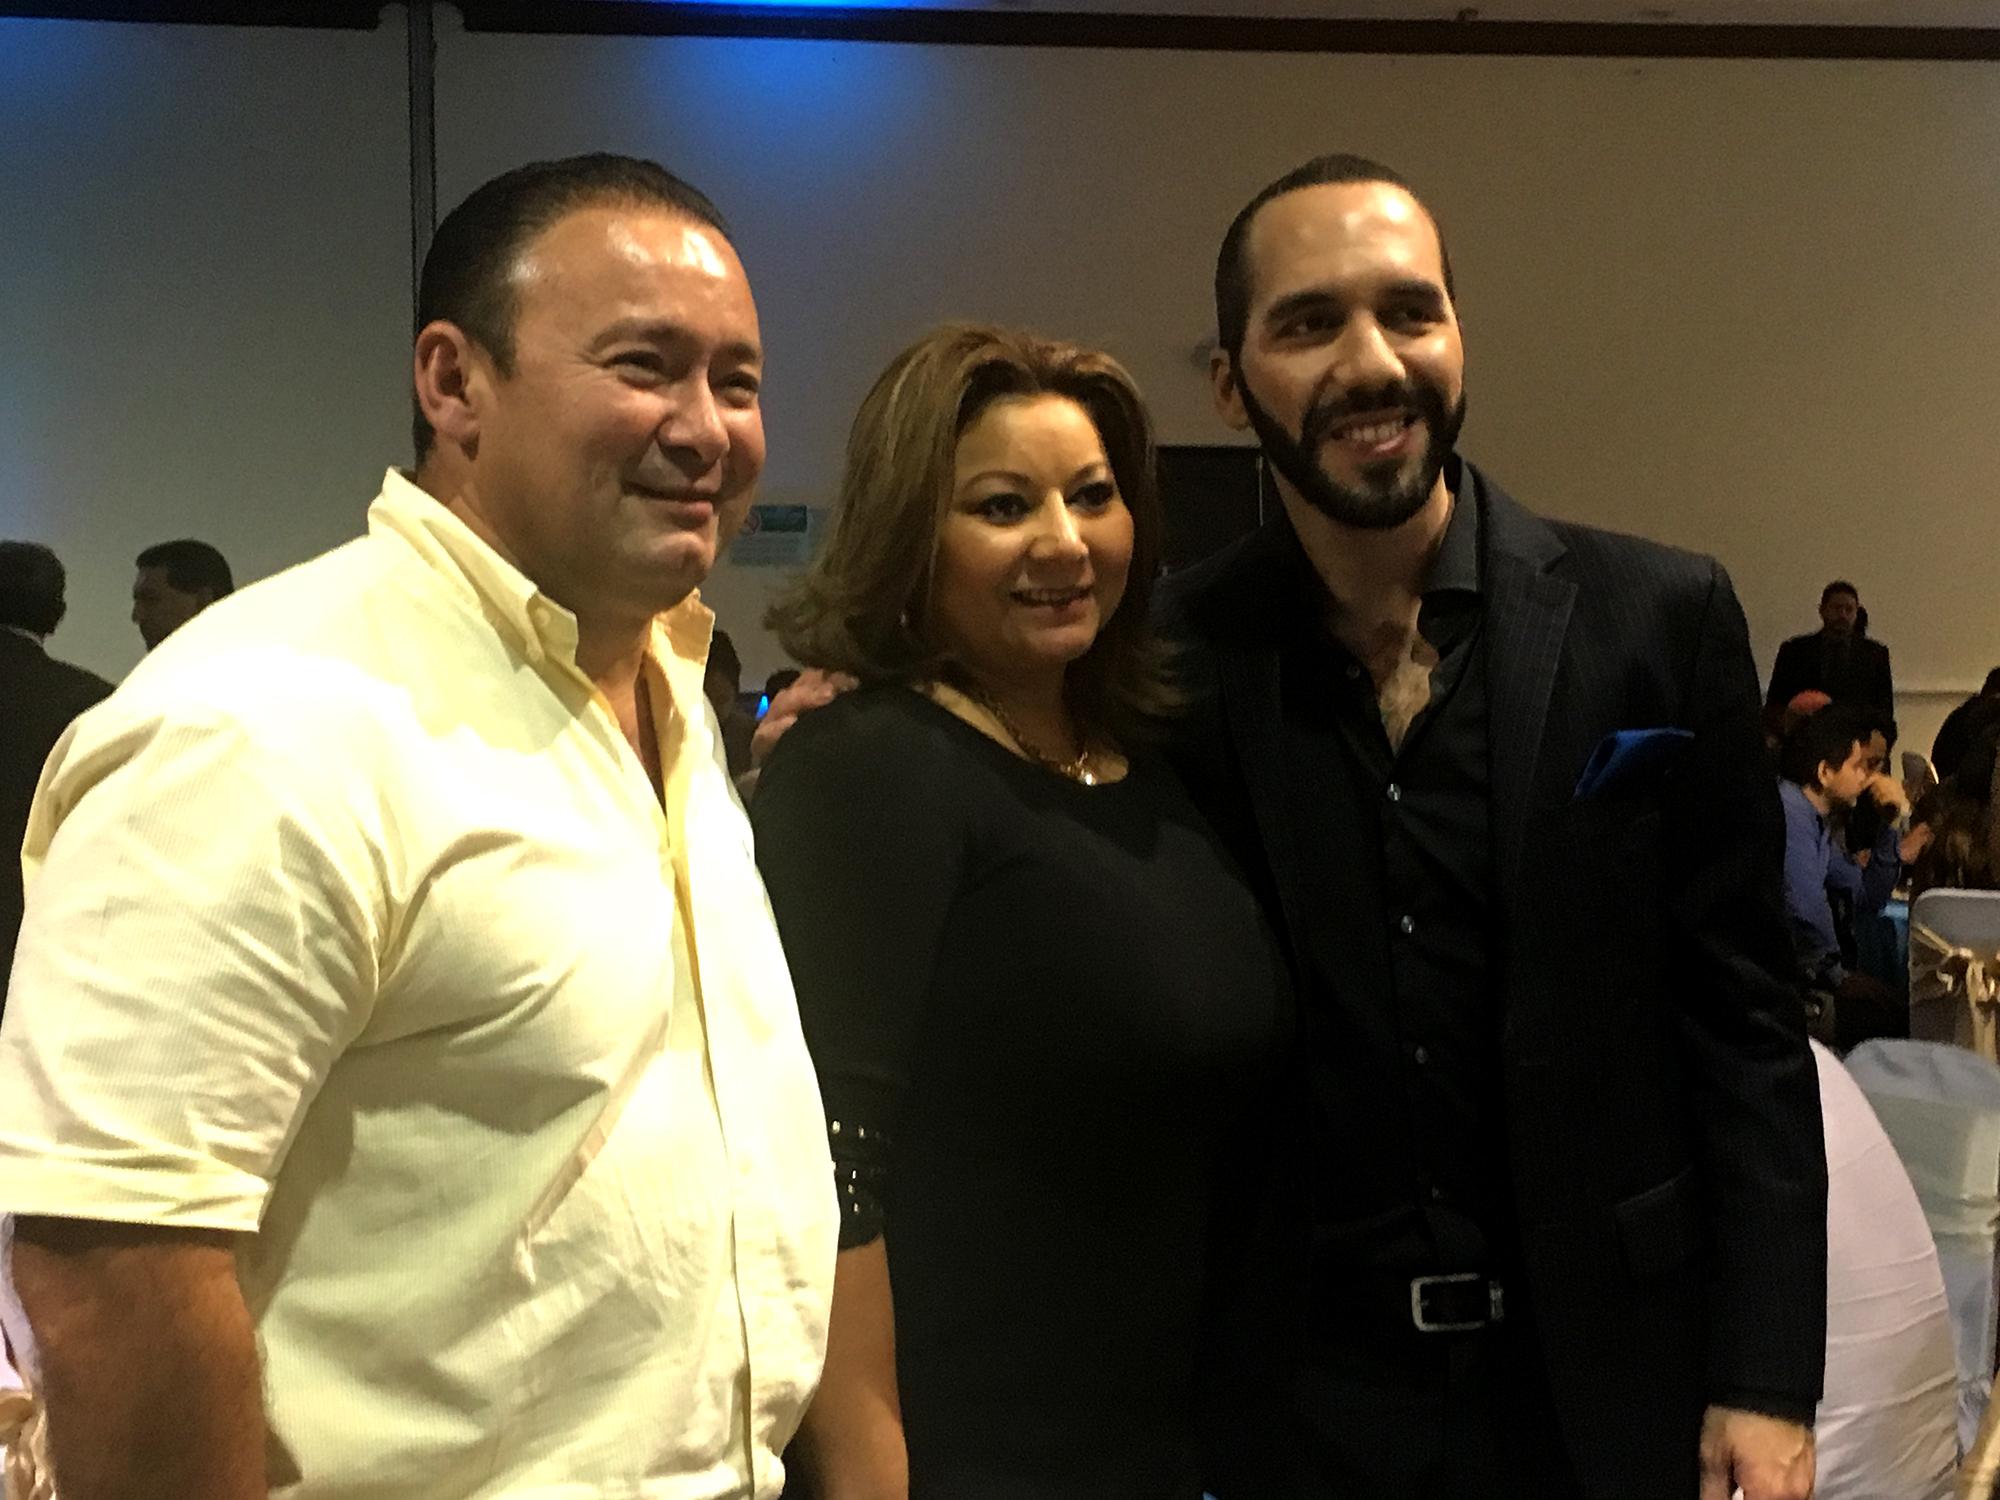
1627, 757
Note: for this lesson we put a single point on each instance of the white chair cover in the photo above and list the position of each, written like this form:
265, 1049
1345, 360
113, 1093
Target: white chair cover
1955, 969
1940, 1106
1888, 1423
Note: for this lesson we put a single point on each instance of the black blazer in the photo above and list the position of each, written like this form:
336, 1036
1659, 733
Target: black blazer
1662, 1108
1866, 680
38, 697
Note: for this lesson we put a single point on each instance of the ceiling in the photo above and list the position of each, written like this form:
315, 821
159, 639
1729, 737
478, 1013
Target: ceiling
1417, 21
1692, 12
1879, 13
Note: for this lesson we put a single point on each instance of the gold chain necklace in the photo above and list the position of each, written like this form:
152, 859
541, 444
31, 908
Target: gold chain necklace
1076, 768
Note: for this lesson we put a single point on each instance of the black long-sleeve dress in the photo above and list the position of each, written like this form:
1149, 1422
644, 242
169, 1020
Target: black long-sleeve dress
1047, 1020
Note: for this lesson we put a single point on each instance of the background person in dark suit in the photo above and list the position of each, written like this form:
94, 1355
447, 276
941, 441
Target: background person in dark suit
176, 581
1838, 659
38, 697
1565, 1178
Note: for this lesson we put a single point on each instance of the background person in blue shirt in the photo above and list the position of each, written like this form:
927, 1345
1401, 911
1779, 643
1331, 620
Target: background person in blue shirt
1825, 765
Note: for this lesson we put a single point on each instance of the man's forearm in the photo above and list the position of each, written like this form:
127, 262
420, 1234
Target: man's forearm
148, 1360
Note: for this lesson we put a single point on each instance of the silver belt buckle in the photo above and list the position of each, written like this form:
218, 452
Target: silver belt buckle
1427, 1324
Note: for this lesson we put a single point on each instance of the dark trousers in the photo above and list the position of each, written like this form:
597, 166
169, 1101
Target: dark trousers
1390, 1413
1865, 1008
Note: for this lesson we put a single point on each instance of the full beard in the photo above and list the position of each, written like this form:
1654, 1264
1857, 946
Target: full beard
1383, 501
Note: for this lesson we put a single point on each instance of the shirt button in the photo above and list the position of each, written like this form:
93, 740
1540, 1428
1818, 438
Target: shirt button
1420, 1054
1353, 672
1437, 1195
1407, 925
1395, 792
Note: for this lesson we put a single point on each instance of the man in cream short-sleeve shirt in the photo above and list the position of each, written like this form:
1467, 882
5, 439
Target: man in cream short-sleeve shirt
401, 1093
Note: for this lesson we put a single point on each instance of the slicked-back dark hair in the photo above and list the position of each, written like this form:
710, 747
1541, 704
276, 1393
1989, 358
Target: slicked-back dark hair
468, 271
190, 566
31, 587
1840, 586
1232, 266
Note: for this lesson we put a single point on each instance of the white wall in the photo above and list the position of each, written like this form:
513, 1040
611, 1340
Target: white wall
1750, 307
204, 296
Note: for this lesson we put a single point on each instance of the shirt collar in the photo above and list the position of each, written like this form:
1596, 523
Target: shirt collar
26, 634
1795, 794
1455, 569
541, 627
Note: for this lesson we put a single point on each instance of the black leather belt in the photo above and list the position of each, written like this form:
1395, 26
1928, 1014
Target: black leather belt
1456, 1303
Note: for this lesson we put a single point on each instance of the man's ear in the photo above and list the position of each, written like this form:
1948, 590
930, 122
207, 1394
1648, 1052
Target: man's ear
1226, 390
450, 376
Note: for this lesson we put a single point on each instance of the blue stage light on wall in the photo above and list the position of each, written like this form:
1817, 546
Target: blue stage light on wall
44, 61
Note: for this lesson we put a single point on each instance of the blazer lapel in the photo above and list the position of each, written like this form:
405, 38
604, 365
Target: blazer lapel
1245, 621
1528, 609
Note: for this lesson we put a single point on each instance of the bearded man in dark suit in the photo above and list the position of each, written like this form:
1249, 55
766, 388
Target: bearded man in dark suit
1502, 781
1837, 659
40, 696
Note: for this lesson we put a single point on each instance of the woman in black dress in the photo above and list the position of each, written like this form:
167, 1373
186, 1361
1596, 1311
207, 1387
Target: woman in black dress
1046, 1012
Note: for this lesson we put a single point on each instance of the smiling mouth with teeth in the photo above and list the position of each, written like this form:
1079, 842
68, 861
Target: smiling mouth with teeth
1376, 432
1051, 596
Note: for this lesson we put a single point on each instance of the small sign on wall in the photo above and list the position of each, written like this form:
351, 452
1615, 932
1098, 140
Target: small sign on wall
777, 536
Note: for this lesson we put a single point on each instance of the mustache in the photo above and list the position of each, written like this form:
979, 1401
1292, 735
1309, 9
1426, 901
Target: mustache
659, 475
1330, 408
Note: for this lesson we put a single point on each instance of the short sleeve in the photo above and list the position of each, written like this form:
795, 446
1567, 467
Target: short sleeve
198, 947
861, 847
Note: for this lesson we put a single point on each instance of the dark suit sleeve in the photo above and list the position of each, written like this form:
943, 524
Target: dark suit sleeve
43, 696
1885, 683
1756, 1110
1786, 679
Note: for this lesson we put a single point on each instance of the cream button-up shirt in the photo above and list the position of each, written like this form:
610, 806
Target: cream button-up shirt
355, 925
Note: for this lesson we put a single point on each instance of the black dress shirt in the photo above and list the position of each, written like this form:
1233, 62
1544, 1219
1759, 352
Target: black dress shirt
1657, 1164
1410, 1104
1406, 1078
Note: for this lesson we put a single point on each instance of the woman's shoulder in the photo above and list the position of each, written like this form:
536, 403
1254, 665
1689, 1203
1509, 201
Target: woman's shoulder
874, 721
870, 739
874, 770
